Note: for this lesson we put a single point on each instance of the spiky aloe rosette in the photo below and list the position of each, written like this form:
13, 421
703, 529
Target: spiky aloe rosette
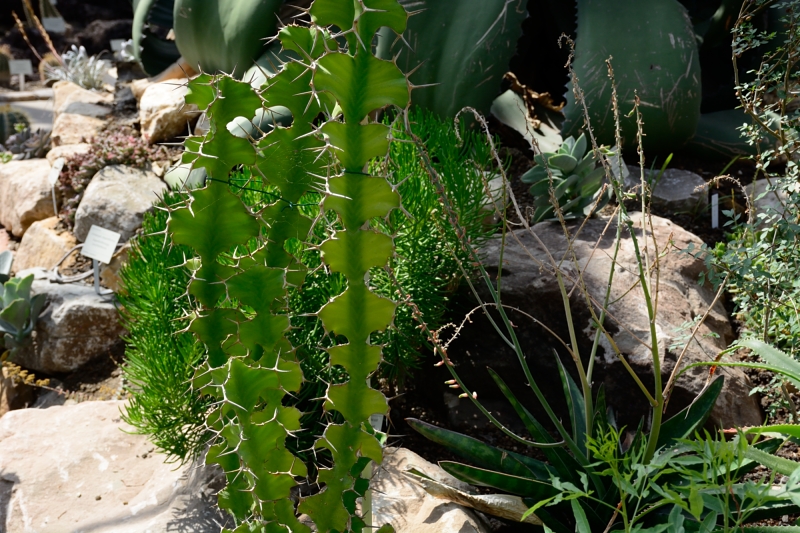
242, 269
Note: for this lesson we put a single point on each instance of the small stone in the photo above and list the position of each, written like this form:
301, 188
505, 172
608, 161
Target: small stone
163, 113
116, 199
66, 151
97, 498
43, 246
676, 191
25, 194
71, 98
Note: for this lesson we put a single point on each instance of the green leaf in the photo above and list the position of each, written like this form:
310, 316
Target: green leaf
775, 358
353, 254
534, 175
375, 198
773, 462
479, 453
511, 484
582, 523
563, 162
686, 422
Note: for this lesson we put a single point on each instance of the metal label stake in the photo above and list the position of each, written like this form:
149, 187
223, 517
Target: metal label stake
99, 246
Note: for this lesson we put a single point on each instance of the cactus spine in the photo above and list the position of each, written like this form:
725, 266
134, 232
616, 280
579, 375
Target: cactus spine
242, 269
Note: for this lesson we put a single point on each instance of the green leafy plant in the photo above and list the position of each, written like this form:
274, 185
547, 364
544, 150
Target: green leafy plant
20, 311
574, 178
243, 266
79, 68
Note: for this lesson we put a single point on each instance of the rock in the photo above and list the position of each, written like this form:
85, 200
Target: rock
109, 274
80, 468
398, 500
71, 128
533, 290
772, 202
68, 150
71, 98
76, 326
25, 194
43, 246
116, 199
5, 240
677, 190
500, 200
96, 36
163, 113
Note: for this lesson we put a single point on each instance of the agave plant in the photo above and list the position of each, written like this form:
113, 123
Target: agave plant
574, 177
80, 68
27, 144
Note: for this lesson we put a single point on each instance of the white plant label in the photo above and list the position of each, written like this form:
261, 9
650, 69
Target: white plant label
100, 244
117, 44
58, 164
20, 66
715, 210
54, 24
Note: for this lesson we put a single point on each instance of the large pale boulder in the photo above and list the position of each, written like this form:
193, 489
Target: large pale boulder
532, 288
71, 128
163, 114
43, 245
25, 194
79, 468
399, 500
76, 326
116, 199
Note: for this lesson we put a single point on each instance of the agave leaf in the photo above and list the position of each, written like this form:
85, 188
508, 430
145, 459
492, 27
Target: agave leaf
579, 148
154, 54
16, 314
776, 358
687, 421
575, 404
773, 462
534, 175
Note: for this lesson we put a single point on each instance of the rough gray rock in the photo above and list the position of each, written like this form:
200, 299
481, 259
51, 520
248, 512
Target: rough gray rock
78, 468
534, 291
677, 190
116, 199
76, 326
25, 194
399, 501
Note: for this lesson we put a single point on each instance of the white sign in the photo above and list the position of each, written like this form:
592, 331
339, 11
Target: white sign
58, 164
54, 24
20, 66
100, 244
117, 44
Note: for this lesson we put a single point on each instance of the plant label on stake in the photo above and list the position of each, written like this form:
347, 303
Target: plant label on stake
99, 246
58, 164
117, 44
20, 67
54, 24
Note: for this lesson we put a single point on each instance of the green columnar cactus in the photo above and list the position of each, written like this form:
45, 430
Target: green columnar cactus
242, 269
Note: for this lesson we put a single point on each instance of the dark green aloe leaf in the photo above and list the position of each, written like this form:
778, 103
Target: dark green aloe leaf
480, 453
690, 419
521, 486
575, 404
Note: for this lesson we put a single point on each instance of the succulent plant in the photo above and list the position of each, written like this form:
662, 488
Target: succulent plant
19, 311
9, 118
152, 20
80, 68
27, 144
576, 182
